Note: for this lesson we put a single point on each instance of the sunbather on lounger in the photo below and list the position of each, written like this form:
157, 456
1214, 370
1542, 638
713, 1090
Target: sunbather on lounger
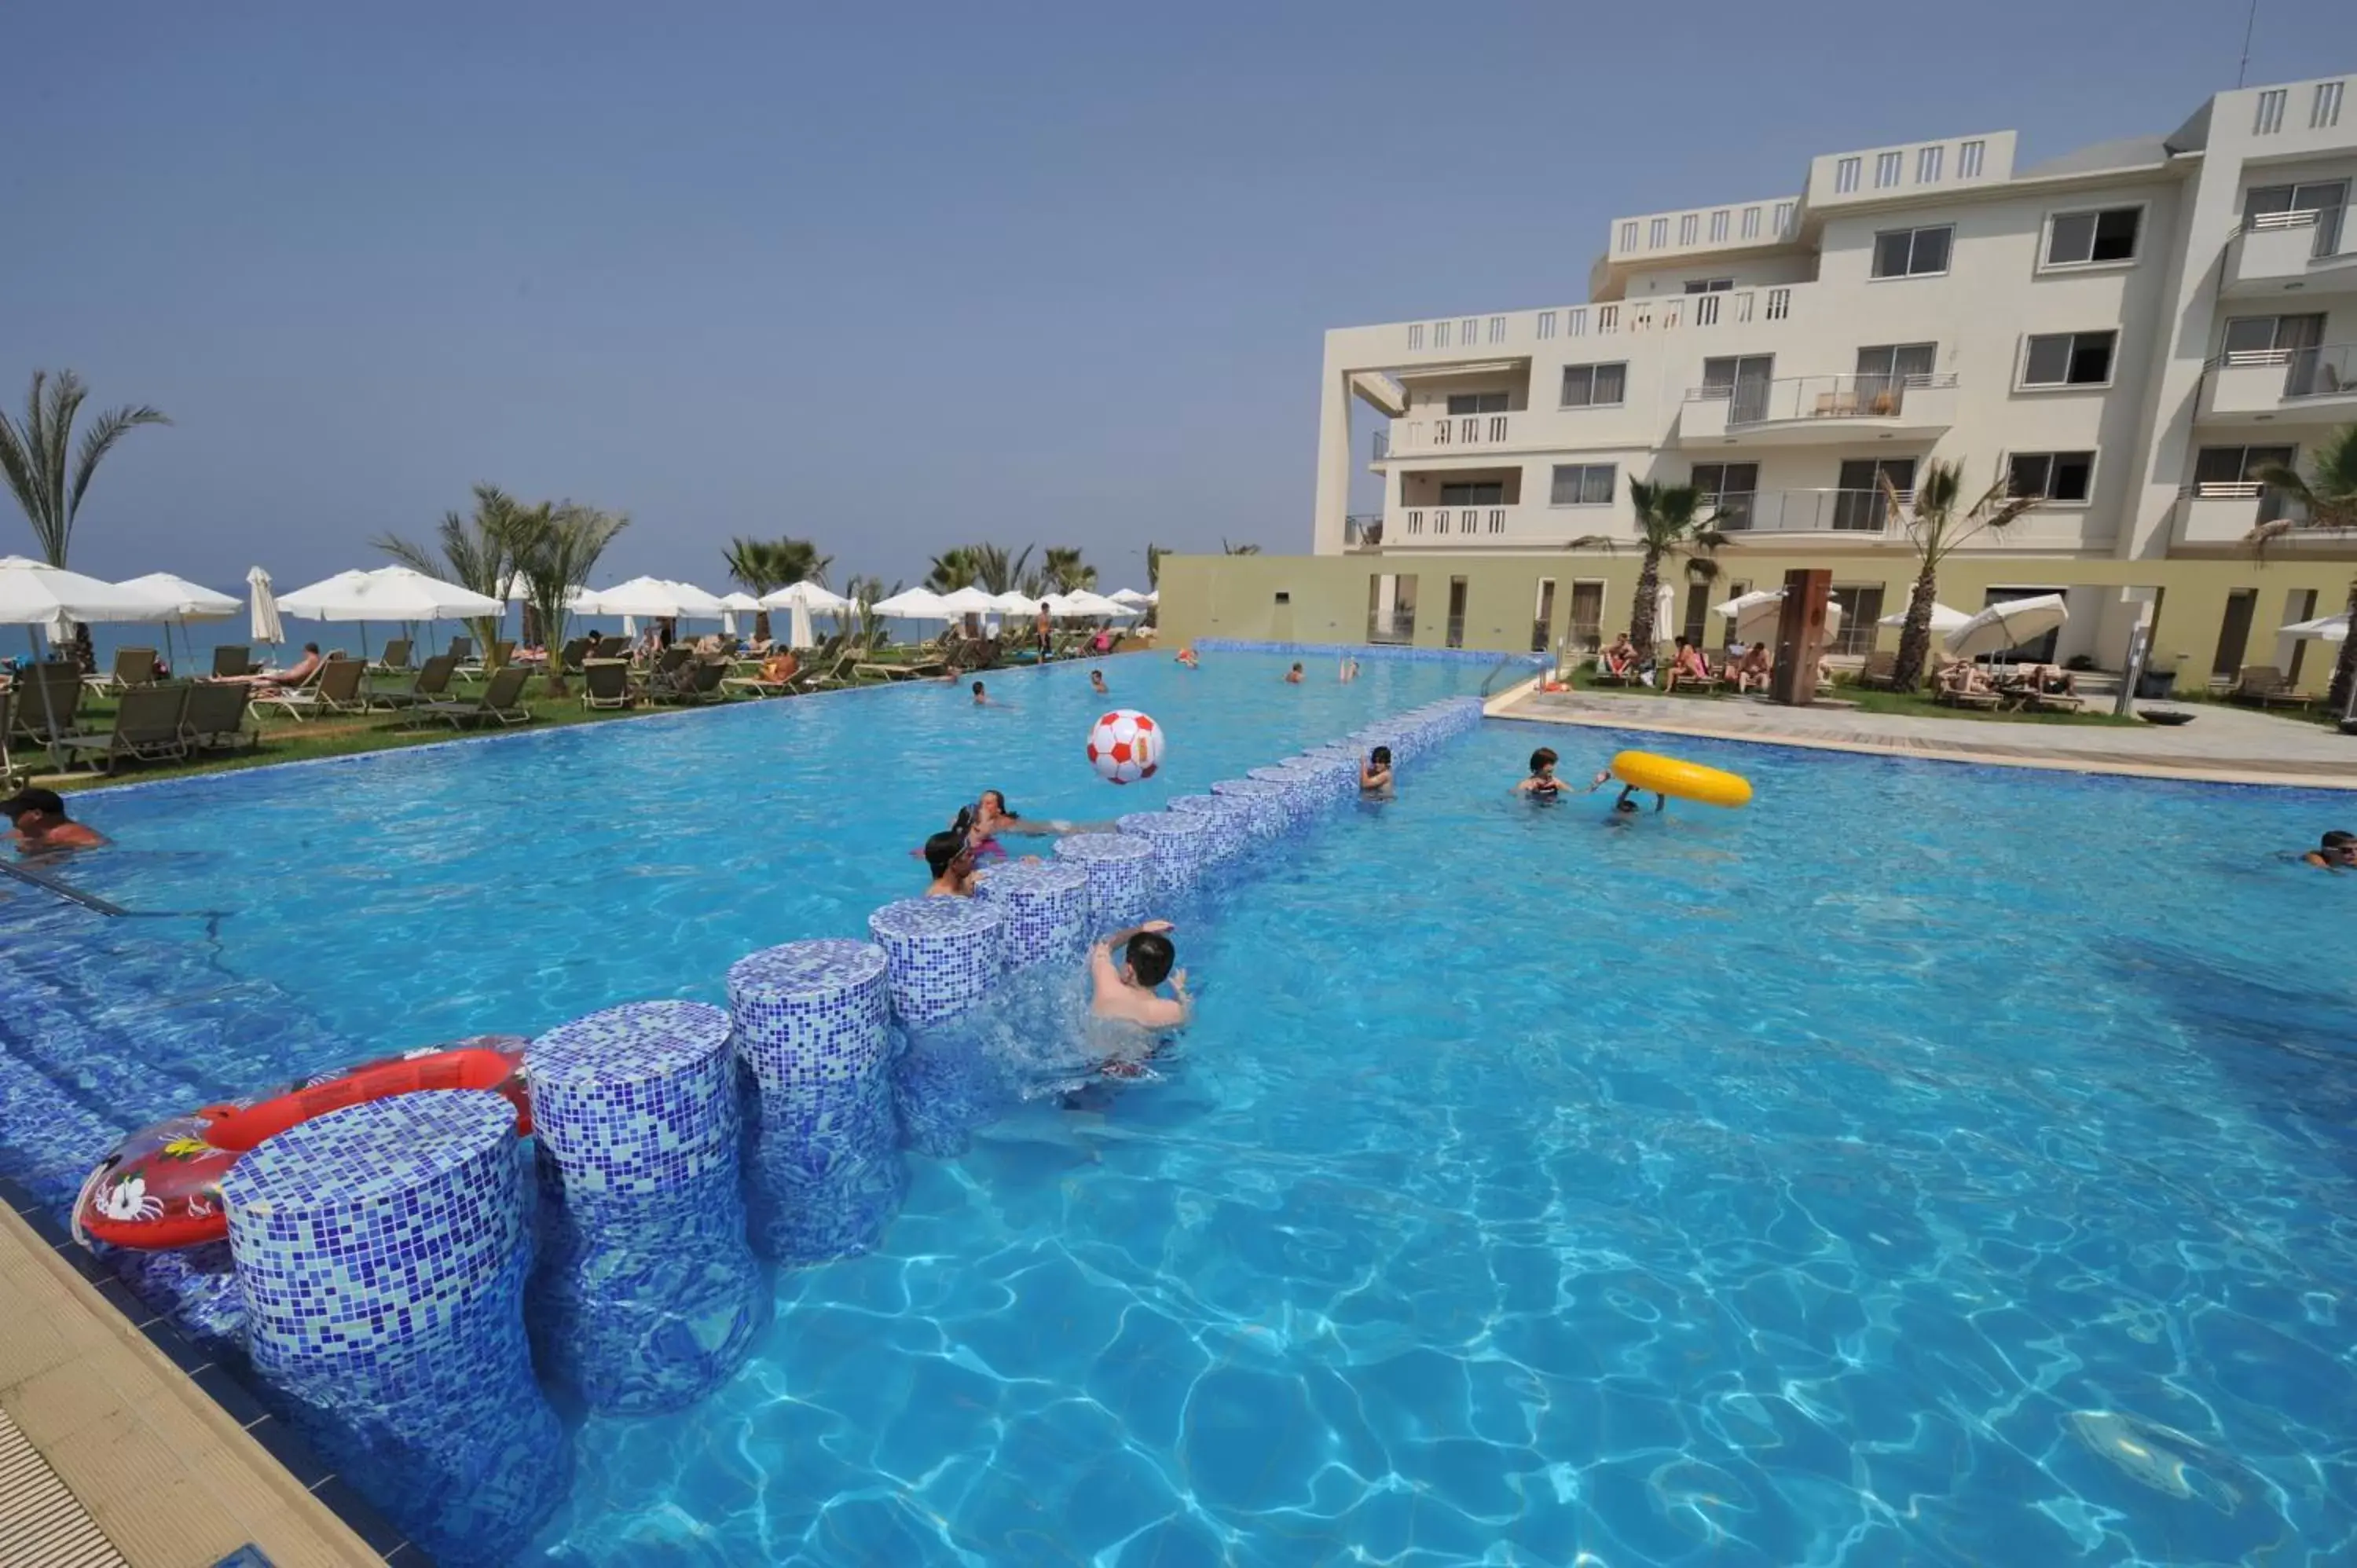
1619, 656
272, 684
1689, 665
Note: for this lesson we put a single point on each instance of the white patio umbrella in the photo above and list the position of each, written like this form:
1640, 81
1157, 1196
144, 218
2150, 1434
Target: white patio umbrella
1085, 603
1758, 614
915, 604
2008, 625
183, 601
265, 627
387, 594
731, 605
1944, 620
1132, 597
1665, 613
34, 595
2329, 628
811, 596
1014, 604
655, 598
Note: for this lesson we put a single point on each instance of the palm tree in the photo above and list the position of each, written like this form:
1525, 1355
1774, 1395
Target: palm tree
1670, 526
1154, 555
2327, 495
995, 572
1935, 529
554, 549
862, 592
48, 485
1063, 569
477, 552
1228, 549
952, 570
765, 565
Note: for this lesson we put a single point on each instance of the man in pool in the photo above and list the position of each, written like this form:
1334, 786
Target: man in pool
2337, 852
1127, 990
39, 823
982, 697
1096, 683
951, 859
1293, 676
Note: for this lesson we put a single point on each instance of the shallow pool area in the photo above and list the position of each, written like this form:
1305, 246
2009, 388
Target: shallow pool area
1926, 1163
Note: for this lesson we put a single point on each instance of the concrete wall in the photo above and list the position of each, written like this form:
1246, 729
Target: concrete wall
1326, 597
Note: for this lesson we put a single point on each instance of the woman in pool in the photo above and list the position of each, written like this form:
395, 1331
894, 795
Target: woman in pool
1542, 785
992, 817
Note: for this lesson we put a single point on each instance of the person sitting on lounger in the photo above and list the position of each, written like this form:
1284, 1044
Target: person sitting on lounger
297, 674
1102, 643
779, 668
39, 825
2337, 852
951, 859
1752, 669
1963, 678
1689, 665
1619, 656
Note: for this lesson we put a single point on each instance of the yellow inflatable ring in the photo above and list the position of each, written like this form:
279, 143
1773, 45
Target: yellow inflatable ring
1686, 780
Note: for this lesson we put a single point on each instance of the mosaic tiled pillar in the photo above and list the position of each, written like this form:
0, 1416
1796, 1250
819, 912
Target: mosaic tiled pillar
1182, 846
812, 1023
1337, 771
645, 1294
1046, 908
1120, 877
1230, 819
1271, 810
1298, 790
381, 1252
946, 954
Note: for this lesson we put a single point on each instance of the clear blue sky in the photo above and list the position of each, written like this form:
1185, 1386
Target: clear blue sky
893, 277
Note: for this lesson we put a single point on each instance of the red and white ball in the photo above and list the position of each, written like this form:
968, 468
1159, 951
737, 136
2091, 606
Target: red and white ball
1124, 747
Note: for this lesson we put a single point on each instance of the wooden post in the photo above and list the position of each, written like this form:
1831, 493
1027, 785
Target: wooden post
1800, 637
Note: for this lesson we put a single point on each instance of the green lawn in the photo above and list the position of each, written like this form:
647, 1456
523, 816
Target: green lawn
1912, 704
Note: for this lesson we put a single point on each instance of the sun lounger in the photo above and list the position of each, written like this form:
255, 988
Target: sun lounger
8, 769
697, 681
133, 667
37, 717
432, 685
2263, 686
233, 661
569, 657
606, 684
502, 702
335, 688
396, 659
1880, 673
214, 719
461, 648
146, 729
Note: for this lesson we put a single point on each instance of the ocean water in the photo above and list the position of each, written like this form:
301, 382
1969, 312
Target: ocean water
1926, 1164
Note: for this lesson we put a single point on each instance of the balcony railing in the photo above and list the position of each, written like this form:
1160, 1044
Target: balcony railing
2328, 370
1475, 335
1807, 511
1362, 531
1390, 626
1818, 397
1421, 522
1445, 434
2327, 223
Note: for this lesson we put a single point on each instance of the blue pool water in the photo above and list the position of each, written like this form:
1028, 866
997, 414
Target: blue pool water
1926, 1165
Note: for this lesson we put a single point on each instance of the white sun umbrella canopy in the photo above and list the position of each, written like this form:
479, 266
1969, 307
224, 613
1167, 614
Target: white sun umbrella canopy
1944, 620
2331, 628
265, 627
810, 597
656, 598
387, 594
1085, 603
732, 605
968, 601
33, 594
1758, 614
2008, 625
915, 604
182, 601
1132, 597
1014, 604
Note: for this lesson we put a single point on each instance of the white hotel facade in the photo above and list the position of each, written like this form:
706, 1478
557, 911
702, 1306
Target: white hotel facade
2127, 331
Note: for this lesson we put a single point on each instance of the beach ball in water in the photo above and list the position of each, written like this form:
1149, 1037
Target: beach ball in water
1126, 746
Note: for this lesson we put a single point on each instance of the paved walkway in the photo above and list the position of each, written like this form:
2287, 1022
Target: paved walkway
2225, 745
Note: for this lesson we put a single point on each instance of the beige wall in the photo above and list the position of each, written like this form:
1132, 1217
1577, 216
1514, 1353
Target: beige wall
1236, 596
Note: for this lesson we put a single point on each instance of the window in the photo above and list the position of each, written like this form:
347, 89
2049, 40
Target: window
1583, 484
1457, 586
1745, 380
1697, 616
1861, 607
2271, 339
1657, 233
2052, 476
1859, 505
1845, 176
1783, 217
1689, 227
1474, 492
1709, 286
1731, 488
1497, 329
1912, 252
1415, 336
1547, 325
1586, 616
2234, 632
1595, 386
2269, 118
2079, 239
1477, 403
1968, 159
1752, 222
1469, 337
2324, 109
1888, 367
2067, 359
1719, 226
2322, 202
1886, 169
1543, 616
2232, 473
1440, 334
1628, 235
1927, 164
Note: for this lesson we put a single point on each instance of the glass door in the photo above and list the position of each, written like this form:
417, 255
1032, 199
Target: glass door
1859, 504
1743, 380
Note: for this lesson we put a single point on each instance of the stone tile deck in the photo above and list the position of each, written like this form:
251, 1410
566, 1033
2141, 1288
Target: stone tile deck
2223, 744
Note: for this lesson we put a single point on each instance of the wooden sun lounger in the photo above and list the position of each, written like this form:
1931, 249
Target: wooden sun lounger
502, 702
146, 729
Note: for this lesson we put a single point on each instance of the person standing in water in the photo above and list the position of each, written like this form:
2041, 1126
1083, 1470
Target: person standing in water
1375, 774
1128, 988
1097, 683
1542, 785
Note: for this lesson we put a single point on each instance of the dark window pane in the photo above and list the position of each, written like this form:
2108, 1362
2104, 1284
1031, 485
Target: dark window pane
1463, 402
1597, 491
2073, 473
1857, 474
2116, 234
2091, 358
1930, 254
1579, 382
1566, 490
1611, 383
2026, 474
2250, 334
2050, 357
2074, 239
1708, 477
1890, 252
2218, 466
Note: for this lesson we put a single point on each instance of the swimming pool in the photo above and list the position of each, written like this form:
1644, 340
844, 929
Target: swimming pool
1928, 1163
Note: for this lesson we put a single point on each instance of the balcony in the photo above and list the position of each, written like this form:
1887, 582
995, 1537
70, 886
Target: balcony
2312, 252
1863, 513
1444, 435
1457, 525
2225, 513
1809, 411
2307, 386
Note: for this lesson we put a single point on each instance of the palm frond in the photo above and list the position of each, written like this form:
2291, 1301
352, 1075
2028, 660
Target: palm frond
1605, 542
99, 440
414, 556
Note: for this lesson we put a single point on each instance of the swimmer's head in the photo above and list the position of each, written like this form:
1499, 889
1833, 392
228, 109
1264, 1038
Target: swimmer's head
946, 848
1381, 757
2334, 840
1542, 759
994, 804
1150, 956
1624, 804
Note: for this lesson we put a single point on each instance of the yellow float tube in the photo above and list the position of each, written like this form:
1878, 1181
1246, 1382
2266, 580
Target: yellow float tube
1686, 781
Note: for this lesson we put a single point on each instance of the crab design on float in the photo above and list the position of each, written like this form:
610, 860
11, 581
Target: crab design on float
160, 1187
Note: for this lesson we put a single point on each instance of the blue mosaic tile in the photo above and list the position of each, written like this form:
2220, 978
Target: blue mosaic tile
1182, 844
645, 1295
1271, 807
1230, 821
1120, 877
944, 954
812, 1023
1047, 906
381, 1250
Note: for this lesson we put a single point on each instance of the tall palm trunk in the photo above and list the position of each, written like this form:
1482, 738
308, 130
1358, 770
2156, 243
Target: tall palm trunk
1641, 629
1915, 636
2345, 668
